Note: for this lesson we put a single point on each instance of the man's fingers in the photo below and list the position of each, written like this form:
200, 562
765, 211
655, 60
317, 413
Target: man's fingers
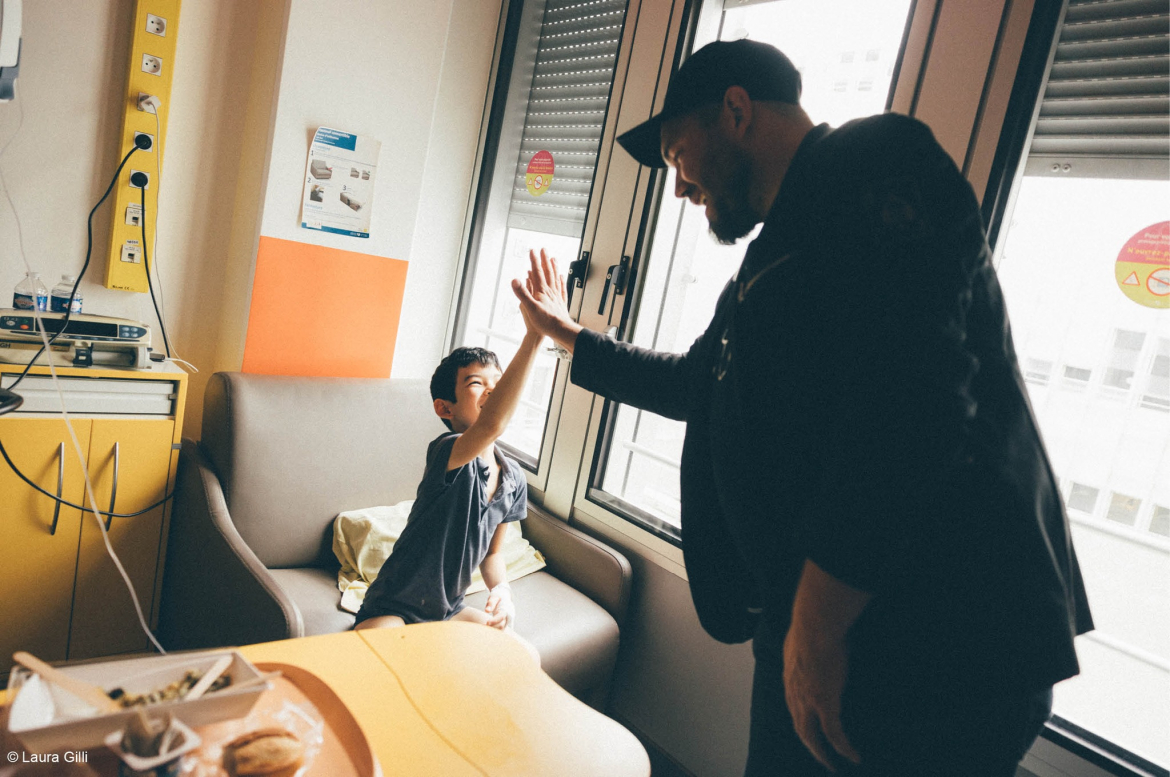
522, 293
549, 271
809, 731
835, 735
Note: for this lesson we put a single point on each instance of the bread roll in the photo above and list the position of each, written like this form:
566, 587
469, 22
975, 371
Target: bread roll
266, 752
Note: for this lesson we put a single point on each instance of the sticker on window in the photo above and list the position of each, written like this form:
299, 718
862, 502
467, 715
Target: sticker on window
539, 175
1143, 266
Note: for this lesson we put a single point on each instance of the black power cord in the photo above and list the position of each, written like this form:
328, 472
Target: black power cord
146, 263
140, 142
67, 503
10, 401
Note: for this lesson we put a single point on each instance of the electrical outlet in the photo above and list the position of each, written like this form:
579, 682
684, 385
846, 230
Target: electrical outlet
152, 65
156, 25
131, 252
146, 134
133, 215
139, 172
144, 103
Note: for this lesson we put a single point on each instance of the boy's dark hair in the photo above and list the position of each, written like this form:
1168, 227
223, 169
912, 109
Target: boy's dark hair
443, 381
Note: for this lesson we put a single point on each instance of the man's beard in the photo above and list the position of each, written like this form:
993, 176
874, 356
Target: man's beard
732, 215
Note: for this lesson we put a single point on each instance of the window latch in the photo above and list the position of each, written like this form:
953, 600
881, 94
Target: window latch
576, 277
615, 276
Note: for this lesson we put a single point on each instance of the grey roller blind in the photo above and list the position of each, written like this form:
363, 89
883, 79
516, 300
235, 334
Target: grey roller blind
1106, 107
576, 55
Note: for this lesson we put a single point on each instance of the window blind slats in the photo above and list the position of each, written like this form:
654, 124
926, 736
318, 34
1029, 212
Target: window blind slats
1108, 95
576, 53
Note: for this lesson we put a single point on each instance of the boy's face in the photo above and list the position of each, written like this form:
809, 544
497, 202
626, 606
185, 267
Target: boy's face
473, 384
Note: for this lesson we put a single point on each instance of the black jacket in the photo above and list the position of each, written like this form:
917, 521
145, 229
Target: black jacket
856, 401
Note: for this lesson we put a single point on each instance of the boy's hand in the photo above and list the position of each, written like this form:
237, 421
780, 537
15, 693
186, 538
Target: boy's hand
500, 610
543, 301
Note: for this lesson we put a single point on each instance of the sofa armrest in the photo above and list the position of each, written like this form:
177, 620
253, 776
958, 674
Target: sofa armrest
587, 564
215, 591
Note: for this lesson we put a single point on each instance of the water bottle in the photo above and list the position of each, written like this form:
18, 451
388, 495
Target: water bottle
31, 293
59, 302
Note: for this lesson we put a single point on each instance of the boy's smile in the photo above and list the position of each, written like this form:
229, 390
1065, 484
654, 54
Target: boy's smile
473, 385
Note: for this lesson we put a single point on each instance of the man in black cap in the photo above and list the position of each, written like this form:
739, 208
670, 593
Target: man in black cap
864, 491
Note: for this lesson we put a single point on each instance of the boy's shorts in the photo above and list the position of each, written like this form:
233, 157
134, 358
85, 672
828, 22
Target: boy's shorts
409, 614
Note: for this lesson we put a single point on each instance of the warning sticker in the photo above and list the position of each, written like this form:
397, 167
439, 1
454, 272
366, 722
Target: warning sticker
1143, 266
539, 175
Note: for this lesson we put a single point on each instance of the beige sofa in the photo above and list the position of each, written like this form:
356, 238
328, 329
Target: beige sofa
249, 556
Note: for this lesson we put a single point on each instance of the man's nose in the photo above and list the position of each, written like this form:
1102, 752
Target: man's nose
681, 188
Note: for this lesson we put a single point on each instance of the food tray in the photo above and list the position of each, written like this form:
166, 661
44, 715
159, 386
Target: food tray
47, 719
343, 750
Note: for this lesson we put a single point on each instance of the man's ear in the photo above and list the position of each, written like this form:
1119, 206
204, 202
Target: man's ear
443, 409
737, 110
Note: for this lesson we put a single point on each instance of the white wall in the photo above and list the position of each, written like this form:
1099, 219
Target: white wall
74, 62
414, 76
252, 82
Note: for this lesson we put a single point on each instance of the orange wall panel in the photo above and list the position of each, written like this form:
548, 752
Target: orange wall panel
323, 311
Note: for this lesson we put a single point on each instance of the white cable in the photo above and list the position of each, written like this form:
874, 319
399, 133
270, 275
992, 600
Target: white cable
64, 412
162, 307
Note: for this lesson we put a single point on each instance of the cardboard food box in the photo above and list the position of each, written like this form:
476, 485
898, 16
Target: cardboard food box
48, 719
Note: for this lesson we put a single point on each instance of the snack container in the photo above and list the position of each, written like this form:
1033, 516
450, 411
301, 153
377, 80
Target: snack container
48, 719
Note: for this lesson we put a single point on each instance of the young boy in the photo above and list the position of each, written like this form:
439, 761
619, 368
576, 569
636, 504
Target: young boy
469, 491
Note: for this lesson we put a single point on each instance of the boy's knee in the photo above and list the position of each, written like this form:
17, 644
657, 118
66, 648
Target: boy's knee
380, 622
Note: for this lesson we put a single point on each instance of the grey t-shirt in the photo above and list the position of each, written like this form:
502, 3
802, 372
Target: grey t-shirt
446, 537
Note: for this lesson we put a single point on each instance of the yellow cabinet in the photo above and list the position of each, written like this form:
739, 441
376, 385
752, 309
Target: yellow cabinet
36, 574
61, 595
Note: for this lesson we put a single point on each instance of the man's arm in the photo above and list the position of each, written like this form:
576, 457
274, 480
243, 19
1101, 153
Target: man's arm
499, 607
497, 410
646, 379
816, 660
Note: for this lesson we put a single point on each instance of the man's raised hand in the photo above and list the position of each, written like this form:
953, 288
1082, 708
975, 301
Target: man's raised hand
543, 301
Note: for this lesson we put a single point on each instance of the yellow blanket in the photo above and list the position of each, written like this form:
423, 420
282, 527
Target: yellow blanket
363, 539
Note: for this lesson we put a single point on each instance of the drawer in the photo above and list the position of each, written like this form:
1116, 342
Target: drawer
97, 396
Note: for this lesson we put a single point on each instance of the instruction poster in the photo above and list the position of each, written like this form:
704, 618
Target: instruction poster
339, 183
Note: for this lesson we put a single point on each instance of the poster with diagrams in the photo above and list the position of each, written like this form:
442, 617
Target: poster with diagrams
339, 183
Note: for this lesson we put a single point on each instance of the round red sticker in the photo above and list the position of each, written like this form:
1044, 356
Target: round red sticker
1143, 266
539, 175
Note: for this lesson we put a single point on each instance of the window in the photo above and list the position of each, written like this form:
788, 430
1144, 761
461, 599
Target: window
1080, 259
1077, 374
687, 269
545, 153
1156, 394
1083, 498
1160, 521
1123, 358
1123, 509
1037, 371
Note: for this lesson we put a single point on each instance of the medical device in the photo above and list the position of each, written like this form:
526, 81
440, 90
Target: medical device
86, 340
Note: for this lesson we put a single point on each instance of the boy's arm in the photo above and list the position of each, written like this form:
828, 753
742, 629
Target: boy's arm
499, 607
498, 408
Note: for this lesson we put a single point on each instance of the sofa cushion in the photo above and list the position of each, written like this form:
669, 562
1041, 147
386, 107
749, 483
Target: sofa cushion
315, 593
291, 453
577, 640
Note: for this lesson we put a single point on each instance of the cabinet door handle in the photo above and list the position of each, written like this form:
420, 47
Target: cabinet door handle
114, 487
60, 485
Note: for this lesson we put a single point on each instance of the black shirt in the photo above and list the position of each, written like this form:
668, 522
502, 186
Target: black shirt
856, 401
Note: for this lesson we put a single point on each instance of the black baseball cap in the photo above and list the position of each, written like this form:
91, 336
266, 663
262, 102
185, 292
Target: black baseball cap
762, 70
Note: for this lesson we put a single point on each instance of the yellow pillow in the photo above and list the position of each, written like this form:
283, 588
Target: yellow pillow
363, 540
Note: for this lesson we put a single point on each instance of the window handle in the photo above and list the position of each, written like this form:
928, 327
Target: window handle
60, 485
576, 277
114, 487
615, 276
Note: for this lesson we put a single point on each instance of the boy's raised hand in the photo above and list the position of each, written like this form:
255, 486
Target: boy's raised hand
543, 301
